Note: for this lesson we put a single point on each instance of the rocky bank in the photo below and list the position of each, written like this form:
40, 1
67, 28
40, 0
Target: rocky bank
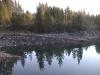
32, 39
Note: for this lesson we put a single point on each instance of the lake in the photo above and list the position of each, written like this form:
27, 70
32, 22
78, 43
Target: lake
53, 61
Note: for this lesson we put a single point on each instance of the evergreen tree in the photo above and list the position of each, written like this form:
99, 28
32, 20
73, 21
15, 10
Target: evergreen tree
39, 21
97, 20
28, 17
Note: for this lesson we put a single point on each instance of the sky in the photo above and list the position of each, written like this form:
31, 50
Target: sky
91, 6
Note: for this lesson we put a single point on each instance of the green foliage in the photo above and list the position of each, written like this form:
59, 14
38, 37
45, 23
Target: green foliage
77, 21
40, 18
97, 20
28, 17
7, 9
54, 19
46, 19
17, 19
68, 16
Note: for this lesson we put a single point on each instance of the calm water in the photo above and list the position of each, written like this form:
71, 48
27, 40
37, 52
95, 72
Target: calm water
59, 61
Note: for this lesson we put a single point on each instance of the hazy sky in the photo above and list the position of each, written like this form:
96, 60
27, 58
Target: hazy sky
91, 6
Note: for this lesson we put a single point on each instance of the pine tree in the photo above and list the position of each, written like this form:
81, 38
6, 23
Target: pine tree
39, 21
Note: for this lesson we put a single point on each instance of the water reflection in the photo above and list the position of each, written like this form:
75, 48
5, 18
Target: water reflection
42, 55
47, 55
6, 67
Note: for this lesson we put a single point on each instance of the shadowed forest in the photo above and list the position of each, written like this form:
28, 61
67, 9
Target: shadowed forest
47, 19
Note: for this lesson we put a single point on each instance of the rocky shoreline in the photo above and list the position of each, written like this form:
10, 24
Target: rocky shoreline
32, 39
14, 39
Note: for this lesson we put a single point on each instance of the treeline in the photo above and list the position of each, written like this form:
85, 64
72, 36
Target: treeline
55, 19
46, 19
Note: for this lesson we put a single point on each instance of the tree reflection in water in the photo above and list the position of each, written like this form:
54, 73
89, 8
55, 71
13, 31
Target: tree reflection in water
42, 55
6, 67
47, 55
